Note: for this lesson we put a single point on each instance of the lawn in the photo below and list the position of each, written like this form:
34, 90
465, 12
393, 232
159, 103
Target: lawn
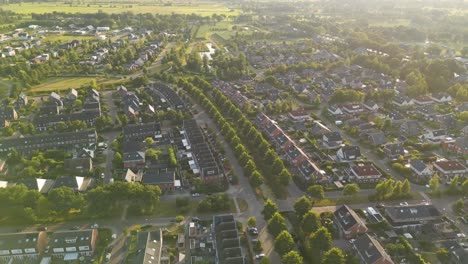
62, 38
64, 83
204, 9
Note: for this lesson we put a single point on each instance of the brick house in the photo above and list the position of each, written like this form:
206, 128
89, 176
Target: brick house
350, 225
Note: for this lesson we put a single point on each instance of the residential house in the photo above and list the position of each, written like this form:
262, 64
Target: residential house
420, 169
435, 136
226, 240
54, 98
22, 247
204, 162
130, 176
298, 115
319, 129
8, 113
450, 169
458, 146
423, 100
8, 52
447, 121
72, 245
376, 138
350, 225
371, 106
352, 109
441, 98
4, 123
79, 165
149, 247
76, 183
369, 251
63, 141
44, 122
332, 140
348, 153
365, 173
142, 131
72, 95
403, 101
134, 159
394, 150
41, 185
335, 110
22, 100
410, 128
412, 217
164, 178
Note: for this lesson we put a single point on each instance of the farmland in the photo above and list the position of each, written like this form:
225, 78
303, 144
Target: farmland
204, 9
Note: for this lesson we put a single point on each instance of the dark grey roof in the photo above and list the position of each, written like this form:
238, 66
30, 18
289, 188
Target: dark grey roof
133, 156
369, 249
158, 176
20, 241
350, 151
75, 238
377, 138
142, 131
347, 217
412, 213
49, 141
418, 165
333, 136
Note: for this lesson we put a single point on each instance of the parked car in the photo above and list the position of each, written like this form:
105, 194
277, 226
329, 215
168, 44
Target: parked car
195, 194
75, 228
42, 228
259, 256
94, 226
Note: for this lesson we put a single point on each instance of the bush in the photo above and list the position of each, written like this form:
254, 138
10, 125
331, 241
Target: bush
179, 218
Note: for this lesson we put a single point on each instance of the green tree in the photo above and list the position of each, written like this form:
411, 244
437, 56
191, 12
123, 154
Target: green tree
264, 260
443, 255
256, 179
269, 209
458, 206
434, 183
284, 177
453, 186
321, 240
310, 222
179, 218
276, 224
351, 189
302, 206
284, 243
333, 256
149, 142
406, 187
117, 160
292, 257
464, 187
251, 221
316, 191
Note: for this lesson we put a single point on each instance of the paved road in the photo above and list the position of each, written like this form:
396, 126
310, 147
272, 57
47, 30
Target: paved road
242, 189
156, 62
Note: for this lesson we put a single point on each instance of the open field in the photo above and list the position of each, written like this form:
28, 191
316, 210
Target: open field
204, 9
62, 38
64, 83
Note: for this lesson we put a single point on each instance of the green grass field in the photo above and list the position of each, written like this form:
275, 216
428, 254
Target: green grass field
204, 9
63, 38
64, 83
